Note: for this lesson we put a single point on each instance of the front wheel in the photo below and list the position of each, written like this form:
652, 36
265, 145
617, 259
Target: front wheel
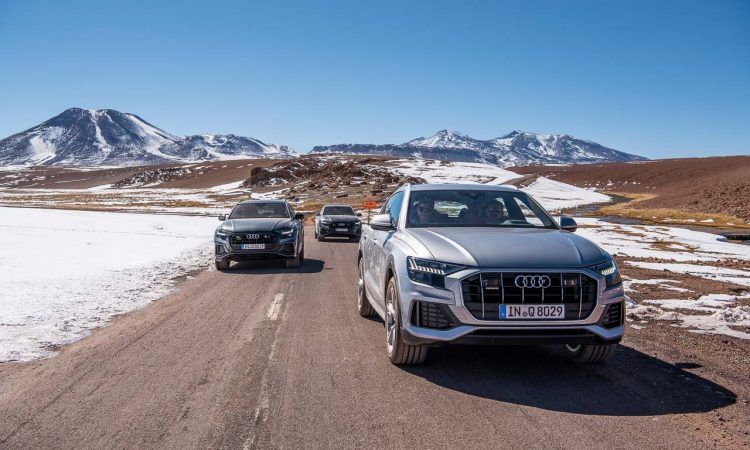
364, 308
296, 263
398, 351
589, 353
222, 265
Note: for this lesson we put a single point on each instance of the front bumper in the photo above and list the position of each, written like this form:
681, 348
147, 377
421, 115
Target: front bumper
283, 249
467, 329
334, 231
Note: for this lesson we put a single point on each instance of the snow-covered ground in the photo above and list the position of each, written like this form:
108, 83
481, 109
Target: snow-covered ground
653, 241
434, 171
211, 201
63, 273
687, 252
710, 314
553, 195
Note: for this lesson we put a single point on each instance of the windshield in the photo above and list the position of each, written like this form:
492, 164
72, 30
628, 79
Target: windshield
276, 210
480, 208
338, 211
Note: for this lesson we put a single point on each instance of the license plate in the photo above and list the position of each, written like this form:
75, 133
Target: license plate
252, 246
342, 229
526, 312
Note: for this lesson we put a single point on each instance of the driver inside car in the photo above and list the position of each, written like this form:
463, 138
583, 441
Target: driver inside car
494, 212
424, 212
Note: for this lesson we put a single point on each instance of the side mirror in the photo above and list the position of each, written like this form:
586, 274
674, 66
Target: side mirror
223, 217
382, 222
299, 216
317, 214
359, 214
568, 224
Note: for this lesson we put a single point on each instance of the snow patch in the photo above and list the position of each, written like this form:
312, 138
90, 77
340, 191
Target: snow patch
555, 196
95, 265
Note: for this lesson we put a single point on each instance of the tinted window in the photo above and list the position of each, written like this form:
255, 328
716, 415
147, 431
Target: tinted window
260, 210
338, 211
480, 208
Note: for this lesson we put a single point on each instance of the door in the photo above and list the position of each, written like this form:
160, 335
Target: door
380, 243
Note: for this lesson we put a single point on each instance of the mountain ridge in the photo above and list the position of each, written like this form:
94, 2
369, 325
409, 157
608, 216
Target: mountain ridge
517, 148
89, 137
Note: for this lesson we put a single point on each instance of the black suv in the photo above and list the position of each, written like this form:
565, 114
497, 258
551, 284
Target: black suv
260, 230
337, 220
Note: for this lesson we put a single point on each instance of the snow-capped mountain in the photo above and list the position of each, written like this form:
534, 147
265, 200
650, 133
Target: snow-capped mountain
88, 137
225, 146
517, 148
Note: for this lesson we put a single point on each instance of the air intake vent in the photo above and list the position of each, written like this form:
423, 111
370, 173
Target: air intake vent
613, 315
430, 315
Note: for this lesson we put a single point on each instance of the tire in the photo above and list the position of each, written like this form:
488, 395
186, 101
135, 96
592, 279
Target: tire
399, 352
222, 265
364, 308
589, 353
296, 262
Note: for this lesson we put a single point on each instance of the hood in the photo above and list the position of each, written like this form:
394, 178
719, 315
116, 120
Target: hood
243, 225
509, 248
336, 218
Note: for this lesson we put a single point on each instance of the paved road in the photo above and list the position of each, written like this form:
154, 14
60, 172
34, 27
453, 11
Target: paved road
276, 358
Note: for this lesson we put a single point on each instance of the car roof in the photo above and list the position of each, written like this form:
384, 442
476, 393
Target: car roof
332, 204
261, 201
457, 187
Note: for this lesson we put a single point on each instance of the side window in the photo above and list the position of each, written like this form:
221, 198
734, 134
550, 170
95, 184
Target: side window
393, 205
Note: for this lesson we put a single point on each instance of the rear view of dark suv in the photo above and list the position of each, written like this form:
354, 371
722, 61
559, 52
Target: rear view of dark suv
260, 230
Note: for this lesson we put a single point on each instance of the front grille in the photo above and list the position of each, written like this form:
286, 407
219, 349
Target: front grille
484, 293
613, 315
253, 238
430, 315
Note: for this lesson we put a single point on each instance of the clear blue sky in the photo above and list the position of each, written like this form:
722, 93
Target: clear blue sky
657, 78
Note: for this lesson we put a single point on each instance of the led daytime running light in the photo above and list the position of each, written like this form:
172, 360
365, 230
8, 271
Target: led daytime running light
609, 270
426, 266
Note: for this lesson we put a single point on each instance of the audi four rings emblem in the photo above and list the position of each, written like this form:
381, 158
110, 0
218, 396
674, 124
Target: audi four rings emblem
253, 236
533, 281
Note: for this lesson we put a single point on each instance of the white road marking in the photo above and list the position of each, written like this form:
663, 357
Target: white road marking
273, 310
264, 401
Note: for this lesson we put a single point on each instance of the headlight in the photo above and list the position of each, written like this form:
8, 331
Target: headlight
610, 271
286, 232
325, 221
221, 236
430, 272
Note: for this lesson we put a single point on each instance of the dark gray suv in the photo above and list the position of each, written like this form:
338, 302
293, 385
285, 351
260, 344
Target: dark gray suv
337, 221
260, 230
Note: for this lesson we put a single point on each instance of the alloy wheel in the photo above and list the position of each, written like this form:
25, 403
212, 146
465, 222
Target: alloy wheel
390, 320
360, 286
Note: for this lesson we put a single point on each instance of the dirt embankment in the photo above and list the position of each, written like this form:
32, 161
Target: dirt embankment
709, 190
316, 179
188, 176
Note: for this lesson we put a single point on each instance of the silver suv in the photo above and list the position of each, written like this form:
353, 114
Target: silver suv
477, 264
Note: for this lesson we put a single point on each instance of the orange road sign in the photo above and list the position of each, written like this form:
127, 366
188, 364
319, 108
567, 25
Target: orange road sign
369, 205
